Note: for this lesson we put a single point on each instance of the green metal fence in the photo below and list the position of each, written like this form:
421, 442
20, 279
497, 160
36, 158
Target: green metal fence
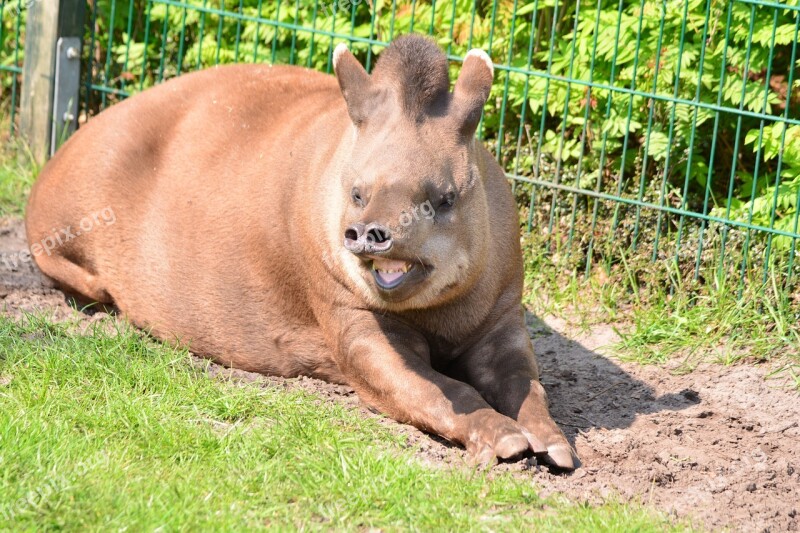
667, 129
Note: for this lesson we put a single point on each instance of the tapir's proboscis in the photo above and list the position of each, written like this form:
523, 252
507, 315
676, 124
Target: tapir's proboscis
275, 221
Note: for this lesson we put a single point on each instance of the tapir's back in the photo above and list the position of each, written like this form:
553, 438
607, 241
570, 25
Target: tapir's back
195, 172
228, 117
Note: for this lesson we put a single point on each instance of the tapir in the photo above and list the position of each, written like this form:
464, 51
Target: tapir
276, 221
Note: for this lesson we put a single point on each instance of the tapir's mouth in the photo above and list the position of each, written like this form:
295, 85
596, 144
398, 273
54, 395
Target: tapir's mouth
390, 273
395, 278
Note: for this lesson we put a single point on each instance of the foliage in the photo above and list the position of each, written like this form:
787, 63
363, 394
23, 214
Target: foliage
12, 16
776, 204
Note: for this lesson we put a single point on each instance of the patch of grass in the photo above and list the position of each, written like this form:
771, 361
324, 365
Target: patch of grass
725, 328
552, 290
663, 313
112, 430
790, 372
17, 173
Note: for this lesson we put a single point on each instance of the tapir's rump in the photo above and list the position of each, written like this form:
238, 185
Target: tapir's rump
275, 220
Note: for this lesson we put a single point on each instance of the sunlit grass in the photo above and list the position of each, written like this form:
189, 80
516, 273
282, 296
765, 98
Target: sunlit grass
112, 430
17, 173
661, 316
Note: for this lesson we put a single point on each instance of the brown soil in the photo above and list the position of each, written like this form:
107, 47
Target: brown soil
719, 447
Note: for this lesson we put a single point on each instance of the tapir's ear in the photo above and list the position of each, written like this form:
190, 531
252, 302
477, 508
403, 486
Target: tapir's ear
472, 90
354, 82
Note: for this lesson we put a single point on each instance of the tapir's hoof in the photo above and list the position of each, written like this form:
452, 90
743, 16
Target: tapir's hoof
554, 451
550, 445
496, 437
561, 456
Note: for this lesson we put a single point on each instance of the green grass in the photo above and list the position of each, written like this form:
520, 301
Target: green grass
717, 326
660, 316
113, 430
17, 173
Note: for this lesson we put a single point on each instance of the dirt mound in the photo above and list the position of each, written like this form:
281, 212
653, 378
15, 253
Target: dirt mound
719, 446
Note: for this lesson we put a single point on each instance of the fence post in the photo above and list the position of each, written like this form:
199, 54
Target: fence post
54, 30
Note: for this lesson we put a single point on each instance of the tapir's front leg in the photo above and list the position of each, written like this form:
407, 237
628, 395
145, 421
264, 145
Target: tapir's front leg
502, 367
388, 364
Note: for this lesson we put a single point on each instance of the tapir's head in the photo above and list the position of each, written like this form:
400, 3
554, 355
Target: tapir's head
414, 229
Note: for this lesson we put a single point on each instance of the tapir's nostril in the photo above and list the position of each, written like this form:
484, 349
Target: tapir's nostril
379, 238
351, 234
378, 235
354, 238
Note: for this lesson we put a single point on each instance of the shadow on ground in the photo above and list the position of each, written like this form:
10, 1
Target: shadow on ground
589, 391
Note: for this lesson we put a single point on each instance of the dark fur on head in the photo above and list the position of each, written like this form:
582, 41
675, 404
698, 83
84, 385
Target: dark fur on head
416, 67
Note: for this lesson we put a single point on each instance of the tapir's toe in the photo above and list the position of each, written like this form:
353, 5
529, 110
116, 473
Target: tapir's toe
485, 458
495, 436
549, 443
561, 455
505, 447
536, 444
511, 445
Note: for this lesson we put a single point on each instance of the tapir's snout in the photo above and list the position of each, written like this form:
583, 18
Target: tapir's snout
372, 238
381, 259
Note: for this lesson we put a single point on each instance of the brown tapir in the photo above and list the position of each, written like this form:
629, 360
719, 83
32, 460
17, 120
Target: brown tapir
274, 226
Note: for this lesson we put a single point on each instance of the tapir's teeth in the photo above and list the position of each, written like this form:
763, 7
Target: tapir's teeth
398, 266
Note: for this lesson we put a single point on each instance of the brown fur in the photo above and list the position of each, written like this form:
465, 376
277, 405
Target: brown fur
232, 190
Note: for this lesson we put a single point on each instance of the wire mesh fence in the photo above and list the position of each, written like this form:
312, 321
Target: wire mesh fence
662, 129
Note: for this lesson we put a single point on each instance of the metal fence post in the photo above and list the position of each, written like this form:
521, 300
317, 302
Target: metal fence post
51, 74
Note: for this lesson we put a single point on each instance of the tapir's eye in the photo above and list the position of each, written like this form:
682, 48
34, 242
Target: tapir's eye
447, 200
355, 194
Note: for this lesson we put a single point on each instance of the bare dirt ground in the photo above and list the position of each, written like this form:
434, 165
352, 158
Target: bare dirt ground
719, 447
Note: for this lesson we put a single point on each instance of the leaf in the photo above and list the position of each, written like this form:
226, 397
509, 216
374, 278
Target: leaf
657, 145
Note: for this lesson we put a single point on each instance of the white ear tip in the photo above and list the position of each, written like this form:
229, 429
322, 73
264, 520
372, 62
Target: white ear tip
483, 56
340, 49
